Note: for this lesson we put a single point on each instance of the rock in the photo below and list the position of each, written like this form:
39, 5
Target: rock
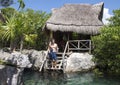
16, 59
79, 62
4, 55
21, 60
26, 59
36, 58
10, 75
27, 52
6, 49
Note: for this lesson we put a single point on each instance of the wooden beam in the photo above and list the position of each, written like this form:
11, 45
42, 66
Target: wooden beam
51, 34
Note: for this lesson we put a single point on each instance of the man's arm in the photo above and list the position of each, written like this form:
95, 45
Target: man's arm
57, 48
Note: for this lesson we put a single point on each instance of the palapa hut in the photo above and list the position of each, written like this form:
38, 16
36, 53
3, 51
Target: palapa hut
71, 19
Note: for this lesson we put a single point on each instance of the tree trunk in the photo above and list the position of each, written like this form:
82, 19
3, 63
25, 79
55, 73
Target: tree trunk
12, 46
21, 44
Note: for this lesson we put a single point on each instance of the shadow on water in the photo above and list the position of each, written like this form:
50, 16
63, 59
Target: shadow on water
58, 78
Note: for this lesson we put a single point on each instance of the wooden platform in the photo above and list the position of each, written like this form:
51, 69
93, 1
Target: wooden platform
71, 46
58, 66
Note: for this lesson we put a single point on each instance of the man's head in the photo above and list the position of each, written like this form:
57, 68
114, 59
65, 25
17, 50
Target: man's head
52, 41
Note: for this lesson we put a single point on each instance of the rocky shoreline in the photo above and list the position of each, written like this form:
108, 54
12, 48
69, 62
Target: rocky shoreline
10, 75
15, 63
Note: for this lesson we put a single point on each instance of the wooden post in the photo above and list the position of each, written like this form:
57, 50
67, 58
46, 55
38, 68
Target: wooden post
68, 42
68, 47
78, 44
51, 34
90, 46
68, 36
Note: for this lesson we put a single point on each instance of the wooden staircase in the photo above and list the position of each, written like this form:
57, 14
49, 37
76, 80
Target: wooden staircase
58, 66
71, 46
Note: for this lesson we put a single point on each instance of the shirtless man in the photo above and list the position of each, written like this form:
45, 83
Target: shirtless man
53, 49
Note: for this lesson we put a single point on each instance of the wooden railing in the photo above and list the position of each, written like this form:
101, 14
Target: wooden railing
44, 61
79, 45
75, 45
63, 57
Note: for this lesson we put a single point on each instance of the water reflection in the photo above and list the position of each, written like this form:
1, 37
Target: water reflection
58, 78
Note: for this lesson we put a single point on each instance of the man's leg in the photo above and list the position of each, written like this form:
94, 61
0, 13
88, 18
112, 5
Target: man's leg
54, 59
50, 60
54, 56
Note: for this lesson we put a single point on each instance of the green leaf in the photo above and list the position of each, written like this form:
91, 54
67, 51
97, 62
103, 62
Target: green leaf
21, 4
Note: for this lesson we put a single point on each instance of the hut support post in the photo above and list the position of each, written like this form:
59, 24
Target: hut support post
68, 47
68, 37
90, 46
51, 34
78, 44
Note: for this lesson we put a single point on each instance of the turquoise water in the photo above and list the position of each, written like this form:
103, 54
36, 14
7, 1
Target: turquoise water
58, 78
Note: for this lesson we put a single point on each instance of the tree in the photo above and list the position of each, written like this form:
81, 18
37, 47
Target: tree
26, 28
6, 3
115, 20
21, 4
107, 49
8, 12
10, 30
107, 46
38, 19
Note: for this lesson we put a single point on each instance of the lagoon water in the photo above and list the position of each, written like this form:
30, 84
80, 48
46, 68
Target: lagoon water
58, 78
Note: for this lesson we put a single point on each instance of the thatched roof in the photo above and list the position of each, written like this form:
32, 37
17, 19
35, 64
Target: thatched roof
79, 18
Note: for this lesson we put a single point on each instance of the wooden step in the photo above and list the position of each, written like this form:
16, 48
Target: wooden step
57, 66
58, 62
61, 53
58, 57
54, 68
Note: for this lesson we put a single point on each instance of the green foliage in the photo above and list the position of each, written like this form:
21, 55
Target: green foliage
98, 72
7, 3
115, 20
107, 46
2, 62
21, 4
24, 28
37, 20
107, 49
8, 12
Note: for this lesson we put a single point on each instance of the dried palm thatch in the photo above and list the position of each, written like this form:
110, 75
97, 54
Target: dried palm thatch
79, 18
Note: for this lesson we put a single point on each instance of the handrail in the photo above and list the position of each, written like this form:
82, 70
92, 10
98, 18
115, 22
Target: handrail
63, 56
78, 40
81, 45
67, 47
44, 60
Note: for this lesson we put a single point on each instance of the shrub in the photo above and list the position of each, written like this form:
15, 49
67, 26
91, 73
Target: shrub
107, 49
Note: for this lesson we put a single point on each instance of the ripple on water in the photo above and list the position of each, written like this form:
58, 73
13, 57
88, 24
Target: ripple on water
57, 78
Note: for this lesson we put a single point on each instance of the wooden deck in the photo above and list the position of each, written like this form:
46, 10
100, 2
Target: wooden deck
71, 46
58, 65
